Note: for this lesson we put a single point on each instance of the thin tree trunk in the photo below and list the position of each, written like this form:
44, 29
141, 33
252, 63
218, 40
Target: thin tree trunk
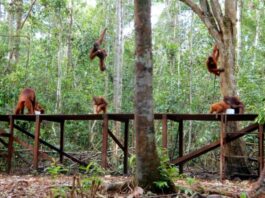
11, 58
70, 64
59, 72
19, 12
256, 39
118, 61
191, 83
239, 42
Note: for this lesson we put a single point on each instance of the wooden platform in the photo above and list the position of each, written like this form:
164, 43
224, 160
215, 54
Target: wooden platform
125, 119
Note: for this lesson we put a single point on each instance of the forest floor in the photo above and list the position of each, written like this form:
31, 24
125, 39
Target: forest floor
30, 186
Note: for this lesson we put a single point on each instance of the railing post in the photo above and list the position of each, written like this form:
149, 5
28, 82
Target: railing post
126, 135
164, 131
10, 144
104, 141
261, 148
222, 148
181, 150
36, 143
61, 140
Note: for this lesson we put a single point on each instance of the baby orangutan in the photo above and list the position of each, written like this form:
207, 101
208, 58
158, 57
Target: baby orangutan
219, 107
27, 98
100, 104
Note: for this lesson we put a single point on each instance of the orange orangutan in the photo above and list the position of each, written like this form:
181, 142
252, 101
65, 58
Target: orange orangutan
219, 107
100, 104
212, 62
27, 98
97, 51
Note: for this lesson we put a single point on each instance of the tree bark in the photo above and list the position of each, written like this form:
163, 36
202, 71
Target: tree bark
222, 27
70, 64
118, 61
258, 190
11, 58
147, 161
19, 12
58, 108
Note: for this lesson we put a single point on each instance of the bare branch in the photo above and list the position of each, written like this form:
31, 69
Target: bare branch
212, 30
217, 12
207, 11
194, 7
31, 6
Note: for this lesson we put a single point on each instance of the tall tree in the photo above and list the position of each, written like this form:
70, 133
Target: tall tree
222, 27
147, 160
118, 61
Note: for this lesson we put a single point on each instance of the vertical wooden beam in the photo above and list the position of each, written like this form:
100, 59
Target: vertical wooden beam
61, 140
126, 136
10, 144
104, 141
164, 131
222, 148
36, 142
181, 149
261, 148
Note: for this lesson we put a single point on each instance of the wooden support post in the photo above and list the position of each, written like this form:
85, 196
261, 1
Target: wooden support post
181, 149
164, 131
61, 140
261, 148
222, 148
126, 136
36, 143
104, 141
10, 144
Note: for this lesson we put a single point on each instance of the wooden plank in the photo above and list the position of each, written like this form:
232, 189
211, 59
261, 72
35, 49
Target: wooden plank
213, 145
130, 116
36, 143
104, 142
164, 131
261, 148
181, 149
61, 140
10, 144
125, 151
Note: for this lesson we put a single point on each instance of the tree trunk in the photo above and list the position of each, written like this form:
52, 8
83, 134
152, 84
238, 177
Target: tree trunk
58, 108
258, 190
256, 39
222, 27
19, 12
147, 161
239, 42
118, 61
191, 85
70, 64
11, 57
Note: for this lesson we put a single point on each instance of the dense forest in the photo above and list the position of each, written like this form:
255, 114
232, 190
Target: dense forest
45, 45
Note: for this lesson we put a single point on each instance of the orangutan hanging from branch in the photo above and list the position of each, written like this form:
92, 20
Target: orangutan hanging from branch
99, 52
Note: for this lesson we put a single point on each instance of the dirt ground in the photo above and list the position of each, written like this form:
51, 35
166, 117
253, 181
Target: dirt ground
30, 186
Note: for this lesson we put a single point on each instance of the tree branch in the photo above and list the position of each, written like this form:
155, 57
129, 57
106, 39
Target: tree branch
30, 9
207, 11
212, 30
217, 12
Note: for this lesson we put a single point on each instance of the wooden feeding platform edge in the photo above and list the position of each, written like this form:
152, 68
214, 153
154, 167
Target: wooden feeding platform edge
125, 119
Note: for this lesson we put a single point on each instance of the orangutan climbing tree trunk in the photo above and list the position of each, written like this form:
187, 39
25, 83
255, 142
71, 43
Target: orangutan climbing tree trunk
221, 25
